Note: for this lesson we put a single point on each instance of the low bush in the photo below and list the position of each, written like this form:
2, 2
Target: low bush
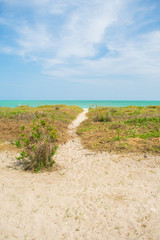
38, 145
102, 117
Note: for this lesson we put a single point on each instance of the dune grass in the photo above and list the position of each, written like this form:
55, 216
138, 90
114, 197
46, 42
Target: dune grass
12, 119
122, 129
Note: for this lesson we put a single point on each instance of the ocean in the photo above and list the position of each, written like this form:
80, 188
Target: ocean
80, 103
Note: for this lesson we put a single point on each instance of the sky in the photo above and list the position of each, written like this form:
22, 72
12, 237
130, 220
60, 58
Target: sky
79, 50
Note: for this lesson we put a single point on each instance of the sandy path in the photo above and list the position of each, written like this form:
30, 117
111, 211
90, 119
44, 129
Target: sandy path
93, 197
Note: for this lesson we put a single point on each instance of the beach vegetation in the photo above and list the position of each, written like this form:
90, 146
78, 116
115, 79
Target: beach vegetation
15, 122
38, 145
12, 119
122, 129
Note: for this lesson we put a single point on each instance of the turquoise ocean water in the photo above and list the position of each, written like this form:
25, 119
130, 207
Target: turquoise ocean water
80, 103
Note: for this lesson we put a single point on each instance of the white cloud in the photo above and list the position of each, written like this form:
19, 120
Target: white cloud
83, 26
34, 39
6, 50
139, 59
86, 27
66, 41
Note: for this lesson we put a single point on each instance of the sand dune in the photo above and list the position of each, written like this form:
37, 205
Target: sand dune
93, 196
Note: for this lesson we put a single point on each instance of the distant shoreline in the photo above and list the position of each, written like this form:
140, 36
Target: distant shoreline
80, 103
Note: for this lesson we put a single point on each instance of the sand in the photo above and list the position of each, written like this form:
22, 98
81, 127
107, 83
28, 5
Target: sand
93, 196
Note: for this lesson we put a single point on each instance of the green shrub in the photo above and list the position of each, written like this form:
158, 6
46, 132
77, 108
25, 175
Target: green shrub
106, 117
38, 145
152, 134
143, 120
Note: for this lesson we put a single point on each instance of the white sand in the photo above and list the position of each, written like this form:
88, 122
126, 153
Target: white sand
93, 197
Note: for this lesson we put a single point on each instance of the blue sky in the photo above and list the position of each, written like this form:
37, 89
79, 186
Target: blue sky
80, 49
